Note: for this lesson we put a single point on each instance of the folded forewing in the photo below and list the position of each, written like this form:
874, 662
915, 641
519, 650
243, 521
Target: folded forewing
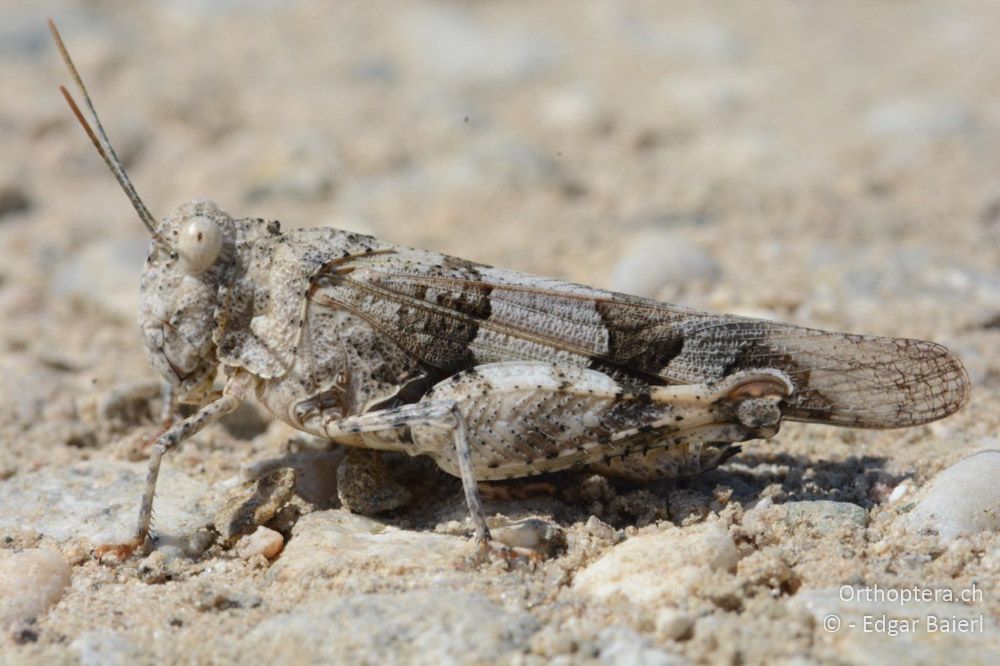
452, 314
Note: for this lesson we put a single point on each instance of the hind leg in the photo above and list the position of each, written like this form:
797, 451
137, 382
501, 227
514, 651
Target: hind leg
442, 416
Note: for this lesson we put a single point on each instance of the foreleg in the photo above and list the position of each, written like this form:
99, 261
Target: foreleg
232, 397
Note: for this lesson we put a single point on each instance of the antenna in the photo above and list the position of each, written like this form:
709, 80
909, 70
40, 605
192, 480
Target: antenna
101, 141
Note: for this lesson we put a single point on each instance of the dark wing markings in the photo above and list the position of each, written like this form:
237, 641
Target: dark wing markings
840, 378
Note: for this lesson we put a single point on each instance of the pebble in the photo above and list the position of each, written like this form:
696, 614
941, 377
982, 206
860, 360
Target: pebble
918, 117
366, 486
802, 543
246, 508
825, 515
898, 492
315, 473
428, 626
31, 582
532, 534
98, 502
846, 620
246, 422
329, 543
819, 516
600, 530
452, 43
155, 568
264, 541
661, 567
704, 41
664, 265
961, 500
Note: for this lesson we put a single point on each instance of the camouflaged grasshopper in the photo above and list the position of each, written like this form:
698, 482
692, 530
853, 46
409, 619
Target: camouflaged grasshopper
494, 374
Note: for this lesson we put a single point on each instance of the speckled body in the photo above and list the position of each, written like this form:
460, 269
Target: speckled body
329, 324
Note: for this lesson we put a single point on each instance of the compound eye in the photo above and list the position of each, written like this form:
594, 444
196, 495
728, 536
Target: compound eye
199, 244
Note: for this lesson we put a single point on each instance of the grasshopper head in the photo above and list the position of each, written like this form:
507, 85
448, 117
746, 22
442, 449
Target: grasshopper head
190, 258
188, 262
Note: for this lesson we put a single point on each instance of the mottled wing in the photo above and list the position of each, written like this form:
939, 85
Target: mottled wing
453, 314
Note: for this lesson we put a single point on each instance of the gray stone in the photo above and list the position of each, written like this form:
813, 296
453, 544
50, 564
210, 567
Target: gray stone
918, 117
31, 582
247, 508
664, 265
453, 43
98, 502
825, 515
328, 543
435, 626
961, 500
661, 567
817, 516
315, 473
246, 422
366, 486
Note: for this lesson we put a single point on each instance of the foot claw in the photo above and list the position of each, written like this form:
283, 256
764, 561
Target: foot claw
117, 553
490, 550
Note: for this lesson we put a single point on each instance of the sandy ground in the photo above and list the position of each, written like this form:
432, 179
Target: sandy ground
829, 164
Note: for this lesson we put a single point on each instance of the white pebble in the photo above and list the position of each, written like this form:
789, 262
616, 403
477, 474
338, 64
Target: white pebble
898, 492
664, 265
532, 534
264, 541
918, 117
31, 582
963, 499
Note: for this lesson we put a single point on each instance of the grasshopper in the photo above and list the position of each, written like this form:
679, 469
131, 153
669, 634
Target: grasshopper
493, 373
